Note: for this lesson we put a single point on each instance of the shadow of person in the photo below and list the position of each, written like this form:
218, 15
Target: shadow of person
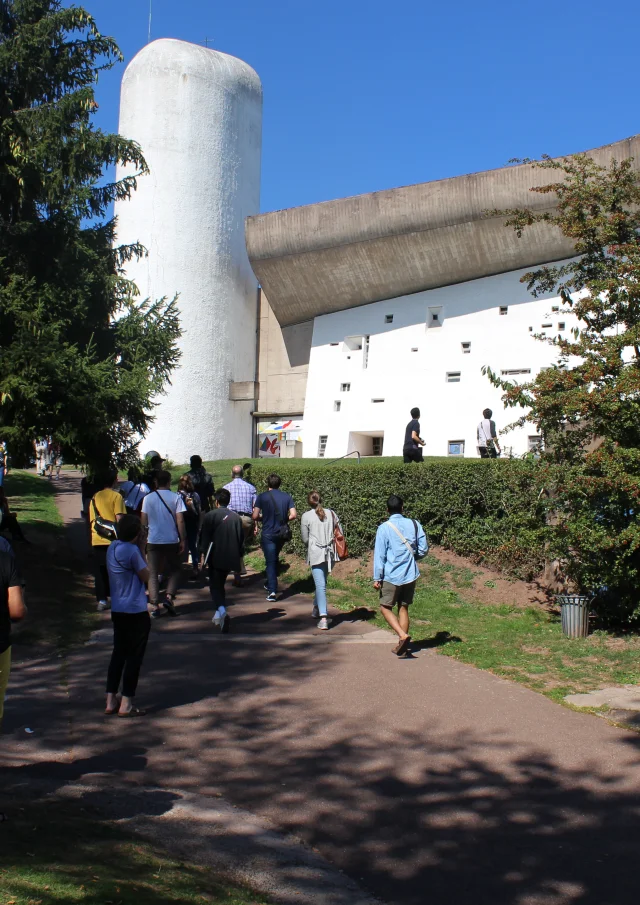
358, 614
438, 640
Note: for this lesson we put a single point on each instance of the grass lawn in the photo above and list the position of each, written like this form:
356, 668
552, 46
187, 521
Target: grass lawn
522, 644
52, 853
33, 498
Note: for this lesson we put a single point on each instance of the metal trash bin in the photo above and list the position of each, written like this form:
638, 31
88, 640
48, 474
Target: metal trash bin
574, 613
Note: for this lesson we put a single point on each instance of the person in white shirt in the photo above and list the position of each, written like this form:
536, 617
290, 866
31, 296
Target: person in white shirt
488, 445
163, 514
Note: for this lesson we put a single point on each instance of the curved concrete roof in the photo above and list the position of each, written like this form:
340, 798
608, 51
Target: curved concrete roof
326, 257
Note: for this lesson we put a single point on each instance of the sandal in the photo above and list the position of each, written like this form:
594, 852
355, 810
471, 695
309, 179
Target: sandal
131, 713
401, 646
112, 710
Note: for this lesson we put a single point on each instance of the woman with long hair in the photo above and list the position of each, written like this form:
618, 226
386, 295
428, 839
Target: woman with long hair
317, 530
191, 518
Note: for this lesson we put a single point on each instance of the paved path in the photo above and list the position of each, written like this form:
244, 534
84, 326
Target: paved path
424, 780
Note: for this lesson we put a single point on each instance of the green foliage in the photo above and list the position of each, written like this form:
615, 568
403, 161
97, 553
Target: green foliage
82, 357
587, 406
482, 509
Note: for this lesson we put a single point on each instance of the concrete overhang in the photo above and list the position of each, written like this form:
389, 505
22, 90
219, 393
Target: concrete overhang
327, 257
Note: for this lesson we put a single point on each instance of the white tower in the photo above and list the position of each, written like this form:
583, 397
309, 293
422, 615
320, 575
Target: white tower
197, 116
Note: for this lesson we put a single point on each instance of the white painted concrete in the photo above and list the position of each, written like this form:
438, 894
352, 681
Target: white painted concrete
403, 378
197, 115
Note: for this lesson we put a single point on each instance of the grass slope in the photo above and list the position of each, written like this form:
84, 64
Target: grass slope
33, 499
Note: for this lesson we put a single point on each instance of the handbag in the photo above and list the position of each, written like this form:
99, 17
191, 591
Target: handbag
342, 551
102, 526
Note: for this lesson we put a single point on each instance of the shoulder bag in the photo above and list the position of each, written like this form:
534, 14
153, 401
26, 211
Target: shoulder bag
342, 551
409, 547
102, 526
172, 514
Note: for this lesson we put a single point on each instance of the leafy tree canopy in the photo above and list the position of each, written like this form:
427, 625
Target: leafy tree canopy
81, 357
587, 405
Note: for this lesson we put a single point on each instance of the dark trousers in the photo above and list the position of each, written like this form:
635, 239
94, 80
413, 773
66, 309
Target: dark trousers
271, 547
10, 524
163, 558
100, 574
412, 455
192, 526
488, 452
217, 578
130, 635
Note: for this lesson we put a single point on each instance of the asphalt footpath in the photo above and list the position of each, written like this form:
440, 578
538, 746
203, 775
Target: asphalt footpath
416, 780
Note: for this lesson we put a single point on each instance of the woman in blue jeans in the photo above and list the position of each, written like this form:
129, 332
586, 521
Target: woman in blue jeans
317, 527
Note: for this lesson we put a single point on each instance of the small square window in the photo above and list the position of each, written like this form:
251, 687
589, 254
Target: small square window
555, 308
388, 318
322, 445
336, 405
434, 318
504, 309
376, 443
377, 400
561, 325
456, 448
453, 376
530, 329
546, 326
415, 349
334, 344
345, 387
466, 348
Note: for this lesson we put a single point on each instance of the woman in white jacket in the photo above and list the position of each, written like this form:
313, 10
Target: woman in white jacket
316, 527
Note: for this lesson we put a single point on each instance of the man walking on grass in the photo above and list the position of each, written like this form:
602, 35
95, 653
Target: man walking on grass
163, 512
243, 496
400, 542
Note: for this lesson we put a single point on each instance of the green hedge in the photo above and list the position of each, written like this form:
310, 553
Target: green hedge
486, 510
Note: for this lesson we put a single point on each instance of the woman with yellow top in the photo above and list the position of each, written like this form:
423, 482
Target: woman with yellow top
107, 504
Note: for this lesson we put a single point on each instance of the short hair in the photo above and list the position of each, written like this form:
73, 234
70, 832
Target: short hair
132, 474
223, 497
106, 478
156, 461
128, 528
195, 461
395, 504
274, 481
237, 471
415, 413
487, 413
163, 478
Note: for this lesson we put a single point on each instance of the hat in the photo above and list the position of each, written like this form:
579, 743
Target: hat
152, 454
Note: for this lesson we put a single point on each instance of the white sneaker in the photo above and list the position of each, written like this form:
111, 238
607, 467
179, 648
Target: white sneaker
315, 612
103, 605
324, 623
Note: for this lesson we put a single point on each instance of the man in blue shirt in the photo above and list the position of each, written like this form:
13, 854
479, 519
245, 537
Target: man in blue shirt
399, 543
276, 509
128, 573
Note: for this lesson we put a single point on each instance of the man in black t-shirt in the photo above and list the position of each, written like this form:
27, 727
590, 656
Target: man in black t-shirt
202, 483
413, 443
12, 609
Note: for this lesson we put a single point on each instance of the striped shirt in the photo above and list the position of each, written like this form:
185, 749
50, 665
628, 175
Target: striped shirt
243, 496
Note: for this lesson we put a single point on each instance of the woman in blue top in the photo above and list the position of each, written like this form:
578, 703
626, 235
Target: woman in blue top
128, 574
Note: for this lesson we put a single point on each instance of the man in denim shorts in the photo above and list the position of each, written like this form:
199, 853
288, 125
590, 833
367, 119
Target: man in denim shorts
400, 542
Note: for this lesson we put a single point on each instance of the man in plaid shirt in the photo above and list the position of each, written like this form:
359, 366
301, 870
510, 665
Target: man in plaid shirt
243, 497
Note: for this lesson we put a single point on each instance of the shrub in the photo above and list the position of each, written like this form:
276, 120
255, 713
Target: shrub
486, 510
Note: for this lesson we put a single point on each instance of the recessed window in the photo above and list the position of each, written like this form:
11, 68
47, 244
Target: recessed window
504, 309
388, 318
456, 448
434, 317
453, 376
415, 349
545, 326
513, 372
322, 445
365, 351
561, 325
555, 307
534, 443
377, 400
376, 443
530, 329
345, 387
466, 348
334, 344
336, 405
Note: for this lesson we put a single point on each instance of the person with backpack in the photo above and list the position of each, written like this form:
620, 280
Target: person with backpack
163, 514
128, 574
136, 494
275, 509
317, 528
106, 508
222, 545
488, 445
193, 509
202, 483
400, 542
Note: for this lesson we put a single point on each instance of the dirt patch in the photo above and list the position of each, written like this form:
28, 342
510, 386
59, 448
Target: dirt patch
489, 586
351, 566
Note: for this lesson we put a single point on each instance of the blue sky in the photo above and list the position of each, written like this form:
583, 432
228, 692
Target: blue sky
362, 95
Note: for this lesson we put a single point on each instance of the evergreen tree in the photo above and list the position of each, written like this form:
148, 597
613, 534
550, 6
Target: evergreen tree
81, 357
587, 405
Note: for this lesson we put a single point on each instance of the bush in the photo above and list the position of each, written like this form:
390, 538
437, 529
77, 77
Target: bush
486, 510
